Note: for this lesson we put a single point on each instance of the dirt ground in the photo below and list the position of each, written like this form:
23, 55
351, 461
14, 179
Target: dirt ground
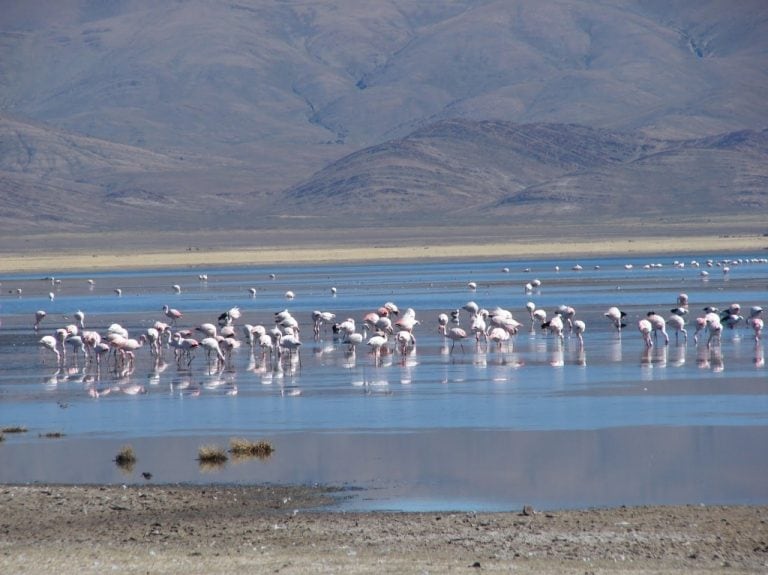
270, 529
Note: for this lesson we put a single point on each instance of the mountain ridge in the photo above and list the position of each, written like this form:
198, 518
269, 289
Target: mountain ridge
208, 113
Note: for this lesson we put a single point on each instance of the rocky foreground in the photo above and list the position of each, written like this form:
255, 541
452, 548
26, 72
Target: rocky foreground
262, 529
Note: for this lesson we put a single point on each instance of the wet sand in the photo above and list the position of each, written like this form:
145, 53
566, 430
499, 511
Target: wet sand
260, 529
107, 257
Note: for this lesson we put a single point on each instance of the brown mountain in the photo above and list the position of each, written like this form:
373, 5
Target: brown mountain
505, 170
209, 114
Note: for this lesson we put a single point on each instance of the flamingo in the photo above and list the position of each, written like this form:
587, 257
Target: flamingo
353, 339
756, 323
555, 326
80, 319
207, 329
479, 326
531, 307
211, 347
49, 342
442, 322
408, 322
266, 345
579, 327
714, 327
172, 314
184, 347
471, 307
615, 315
229, 316
645, 328
701, 324
677, 322
90, 339
499, 335
456, 334
76, 341
375, 343
658, 324
290, 343
129, 347
320, 317
567, 313
391, 308
154, 340
39, 317
405, 341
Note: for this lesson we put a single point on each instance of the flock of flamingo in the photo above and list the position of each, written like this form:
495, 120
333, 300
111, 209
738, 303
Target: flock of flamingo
382, 331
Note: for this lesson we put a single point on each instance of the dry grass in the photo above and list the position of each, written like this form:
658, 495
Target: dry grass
126, 459
16, 429
243, 448
211, 455
631, 242
55, 435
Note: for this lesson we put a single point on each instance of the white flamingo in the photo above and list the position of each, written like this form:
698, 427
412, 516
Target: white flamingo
39, 317
645, 328
51, 343
616, 317
375, 343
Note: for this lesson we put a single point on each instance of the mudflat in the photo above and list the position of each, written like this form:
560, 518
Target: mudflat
260, 529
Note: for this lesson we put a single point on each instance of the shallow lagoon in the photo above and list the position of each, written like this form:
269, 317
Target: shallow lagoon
541, 423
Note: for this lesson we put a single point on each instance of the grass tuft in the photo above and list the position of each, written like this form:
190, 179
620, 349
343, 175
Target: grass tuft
16, 429
211, 454
52, 435
239, 447
126, 459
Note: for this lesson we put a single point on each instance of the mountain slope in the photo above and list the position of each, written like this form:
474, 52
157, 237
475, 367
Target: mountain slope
206, 114
500, 169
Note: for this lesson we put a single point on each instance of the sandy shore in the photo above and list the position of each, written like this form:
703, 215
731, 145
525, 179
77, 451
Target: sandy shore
175, 529
50, 262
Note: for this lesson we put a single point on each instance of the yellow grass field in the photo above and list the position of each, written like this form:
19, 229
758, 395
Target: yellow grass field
75, 260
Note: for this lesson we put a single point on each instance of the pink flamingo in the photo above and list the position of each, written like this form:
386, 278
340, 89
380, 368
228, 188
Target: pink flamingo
658, 324
756, 323
677, 322
455, 334
172, 314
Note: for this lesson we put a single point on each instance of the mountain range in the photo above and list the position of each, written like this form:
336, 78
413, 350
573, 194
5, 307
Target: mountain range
135, 116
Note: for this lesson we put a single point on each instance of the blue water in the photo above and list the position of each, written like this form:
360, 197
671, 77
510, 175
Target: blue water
399, 411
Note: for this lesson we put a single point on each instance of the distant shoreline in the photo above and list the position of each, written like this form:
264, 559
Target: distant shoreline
114, 258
